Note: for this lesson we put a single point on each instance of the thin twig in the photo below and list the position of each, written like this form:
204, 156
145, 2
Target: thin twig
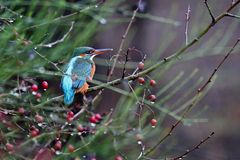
61, 18
122, 43
142, 150
125, 62
49, 45
194, 148
187, 23
209, 11
217, 68
54, 64
232, 15
195, 100
118, 53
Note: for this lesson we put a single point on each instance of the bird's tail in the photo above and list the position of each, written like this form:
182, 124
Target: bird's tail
68, 91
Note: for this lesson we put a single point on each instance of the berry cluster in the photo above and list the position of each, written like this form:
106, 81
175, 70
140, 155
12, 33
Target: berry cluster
35, 88
151, 83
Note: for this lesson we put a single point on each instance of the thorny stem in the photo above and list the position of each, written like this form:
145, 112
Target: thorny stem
194, 148
195, 100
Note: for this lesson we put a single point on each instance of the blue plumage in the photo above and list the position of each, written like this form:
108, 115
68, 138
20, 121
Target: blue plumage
76, 73
80, 67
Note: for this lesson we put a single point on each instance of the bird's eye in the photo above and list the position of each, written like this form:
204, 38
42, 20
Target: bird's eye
91, 51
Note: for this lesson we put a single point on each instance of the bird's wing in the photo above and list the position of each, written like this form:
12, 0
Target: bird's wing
81, 70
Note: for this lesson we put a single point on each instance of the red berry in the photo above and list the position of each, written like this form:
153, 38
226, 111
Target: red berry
140, 65
118, 157
152, 97
9, 147
153, 122
71, 148
152, 83
141, 80
98, 116
34, 133
93, 119
34, 88
70, 114
69, 119
45, 85
21, 110
38, 95
58, 145
39, 118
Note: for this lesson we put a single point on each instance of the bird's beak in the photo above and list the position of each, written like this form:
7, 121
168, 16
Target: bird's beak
102, 51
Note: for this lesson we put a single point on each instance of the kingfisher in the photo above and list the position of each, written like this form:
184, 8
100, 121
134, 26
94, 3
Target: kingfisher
80, 68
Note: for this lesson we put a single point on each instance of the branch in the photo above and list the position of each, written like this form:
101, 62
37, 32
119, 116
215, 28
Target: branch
54, 64
49, 45
171, 57
232, 15
118, 53
122, 43
160, 63
209, 11
219, 65
194, 148
195, 100
187, 23
125, 62
61, 18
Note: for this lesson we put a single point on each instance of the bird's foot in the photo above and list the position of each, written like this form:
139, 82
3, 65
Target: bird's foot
84, 88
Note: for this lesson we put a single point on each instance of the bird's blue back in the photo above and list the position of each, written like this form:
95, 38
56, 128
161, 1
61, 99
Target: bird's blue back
76, 73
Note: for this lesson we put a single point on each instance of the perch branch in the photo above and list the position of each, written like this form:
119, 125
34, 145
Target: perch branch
160, 63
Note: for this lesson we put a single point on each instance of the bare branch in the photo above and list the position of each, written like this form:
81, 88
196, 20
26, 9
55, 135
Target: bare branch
194, 148
232, 15
49, 45
209, 11
160, 63
125, 62
118, 53
217, 68
195, 100
187, 23
54, 64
